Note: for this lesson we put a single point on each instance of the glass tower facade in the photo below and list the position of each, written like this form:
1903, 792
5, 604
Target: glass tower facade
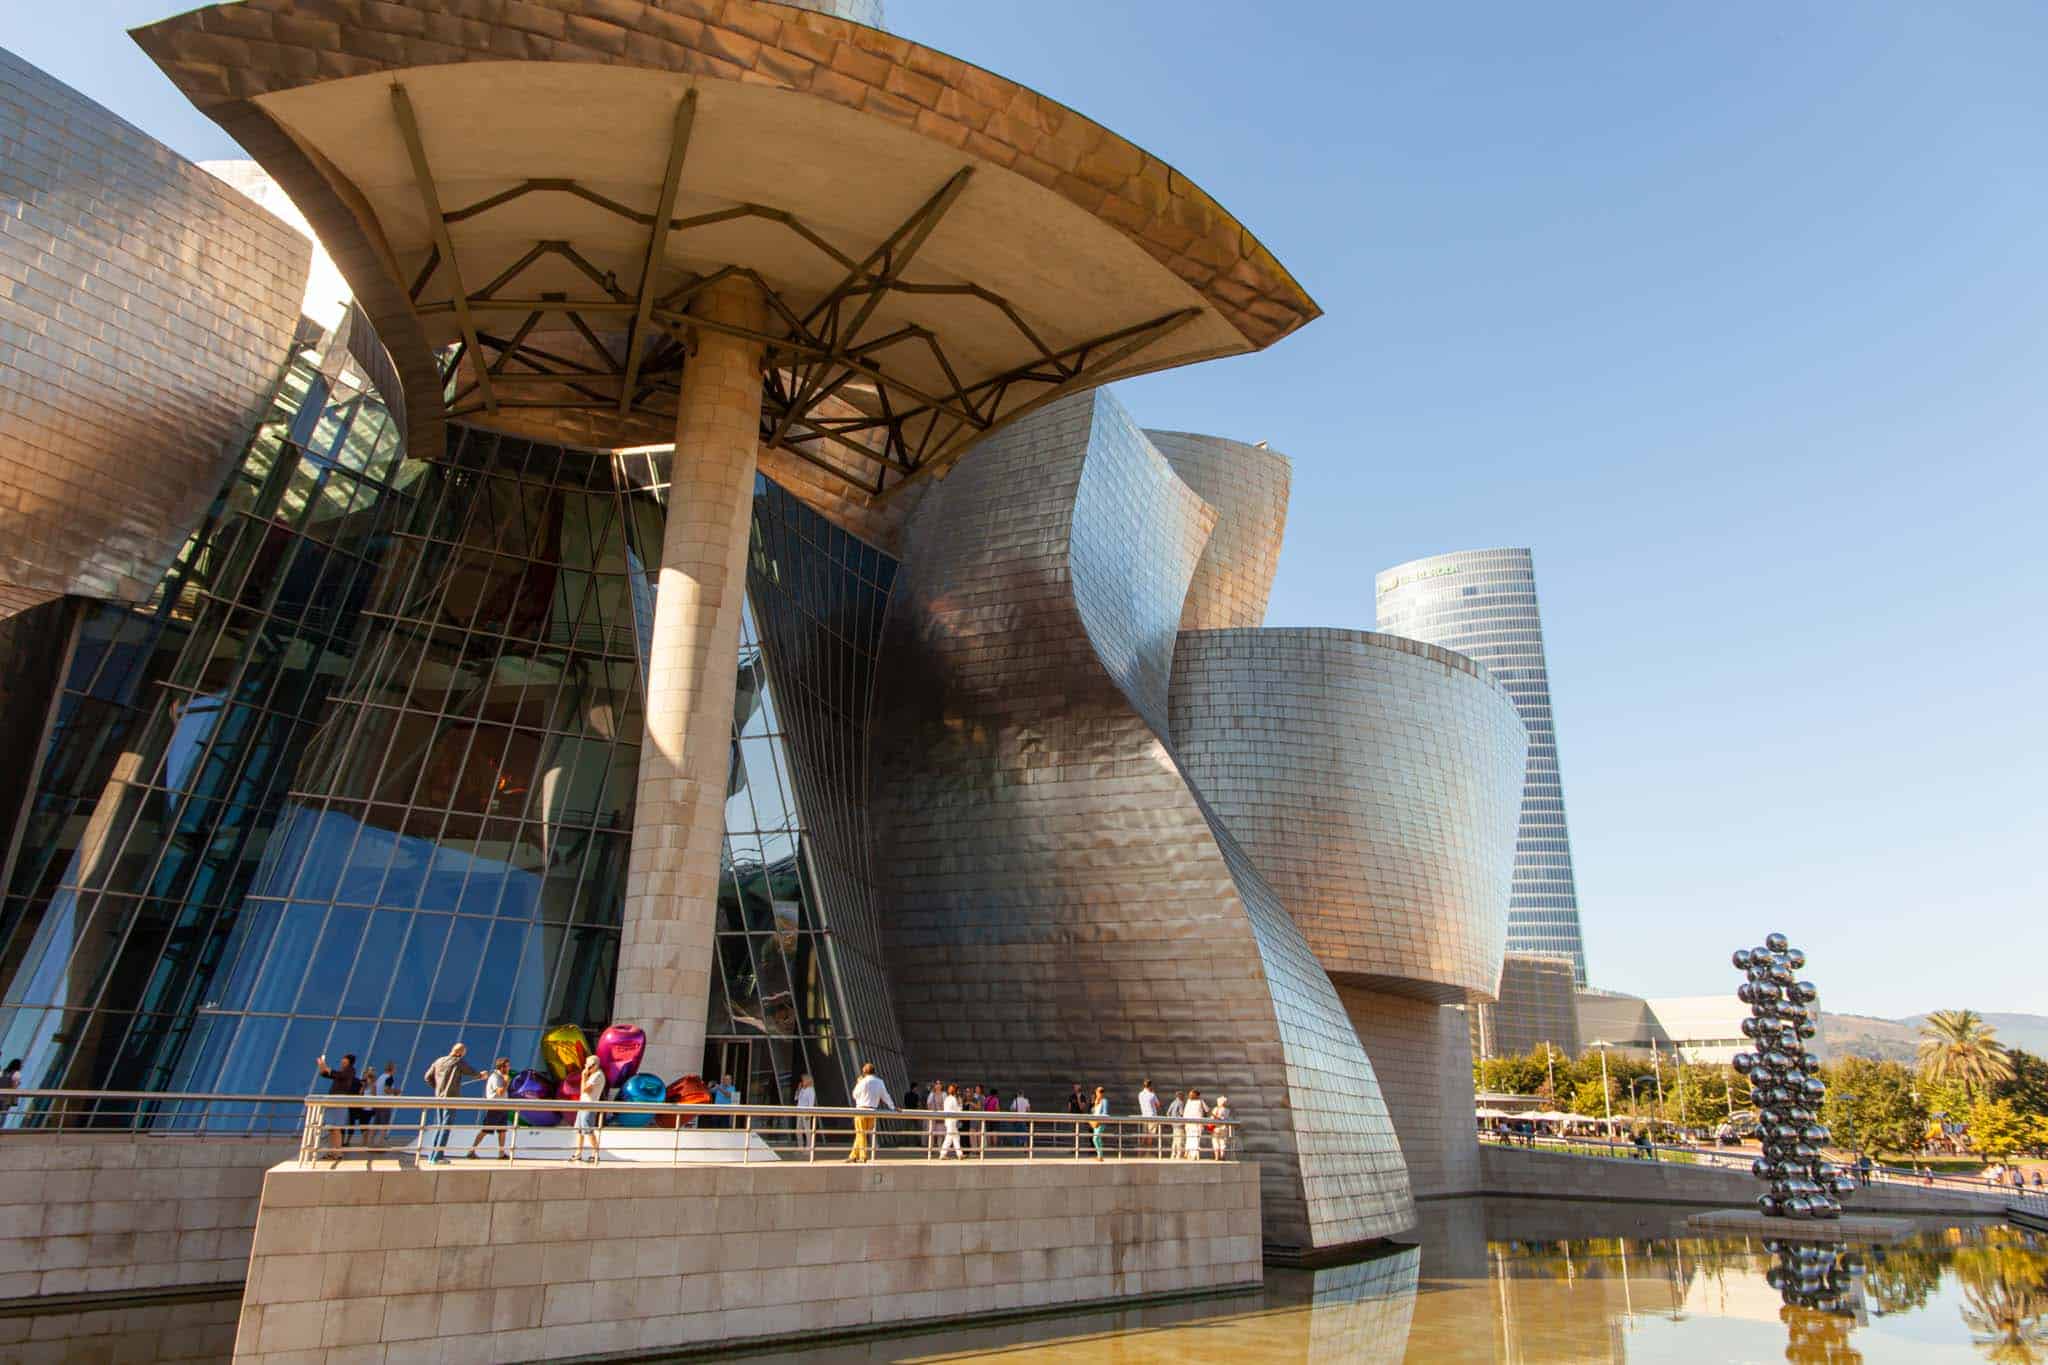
1482, 603
359, 776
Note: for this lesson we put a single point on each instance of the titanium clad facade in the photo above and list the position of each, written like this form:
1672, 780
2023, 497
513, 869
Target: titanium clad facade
1374, 781
867, 12
145, 311
1248, 486
1063, 904
1482, 603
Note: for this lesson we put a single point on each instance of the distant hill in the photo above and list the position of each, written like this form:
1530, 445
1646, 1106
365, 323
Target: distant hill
2026, 1031
1897, 1040
1861, 1035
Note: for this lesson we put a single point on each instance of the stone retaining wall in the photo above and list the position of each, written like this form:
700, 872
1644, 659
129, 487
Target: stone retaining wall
1553, 1175
509, 1265
95, 1213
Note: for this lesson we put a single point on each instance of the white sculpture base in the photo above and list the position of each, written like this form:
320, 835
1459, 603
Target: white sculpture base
648, 1146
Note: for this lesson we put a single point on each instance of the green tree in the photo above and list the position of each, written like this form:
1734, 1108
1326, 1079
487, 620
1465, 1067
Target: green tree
1999, 1130
1523, 1075
1872, 1106
2028, 1087
1957, 1045
1590, 1099
1699, 1094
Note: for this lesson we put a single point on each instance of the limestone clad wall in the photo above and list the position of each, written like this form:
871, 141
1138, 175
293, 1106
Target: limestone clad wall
90, 1214
497, 1265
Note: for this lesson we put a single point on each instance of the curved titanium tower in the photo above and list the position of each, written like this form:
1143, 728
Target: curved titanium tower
1482, 603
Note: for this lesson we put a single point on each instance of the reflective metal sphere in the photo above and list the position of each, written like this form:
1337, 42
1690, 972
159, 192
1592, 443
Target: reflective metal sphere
1777, 943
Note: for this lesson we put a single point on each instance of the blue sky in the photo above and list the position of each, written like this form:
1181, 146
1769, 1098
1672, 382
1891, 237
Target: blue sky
1738, 315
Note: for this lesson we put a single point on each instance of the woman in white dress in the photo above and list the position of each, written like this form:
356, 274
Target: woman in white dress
1219, 1138
952, 1142
1194, 1112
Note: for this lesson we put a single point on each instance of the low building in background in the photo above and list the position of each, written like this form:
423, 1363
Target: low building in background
1696, 1028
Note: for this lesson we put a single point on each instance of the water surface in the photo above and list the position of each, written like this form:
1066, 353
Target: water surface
1549, 1281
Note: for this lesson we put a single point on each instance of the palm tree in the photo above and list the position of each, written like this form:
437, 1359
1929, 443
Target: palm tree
1957, 1045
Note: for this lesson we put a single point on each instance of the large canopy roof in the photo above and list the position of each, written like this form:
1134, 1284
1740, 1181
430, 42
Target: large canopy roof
939, 249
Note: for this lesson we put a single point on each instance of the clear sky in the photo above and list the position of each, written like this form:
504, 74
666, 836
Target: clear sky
1737, 314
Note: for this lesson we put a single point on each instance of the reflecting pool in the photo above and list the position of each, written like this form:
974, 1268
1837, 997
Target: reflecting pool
1546, 1281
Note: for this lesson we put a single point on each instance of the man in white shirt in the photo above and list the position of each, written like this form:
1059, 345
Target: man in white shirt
1148, 1108
807, 1128
1022, 1105
1194, 1111
870, 1095
934, 1102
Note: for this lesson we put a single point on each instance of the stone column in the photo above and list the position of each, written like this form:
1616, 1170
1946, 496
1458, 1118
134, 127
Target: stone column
679, 822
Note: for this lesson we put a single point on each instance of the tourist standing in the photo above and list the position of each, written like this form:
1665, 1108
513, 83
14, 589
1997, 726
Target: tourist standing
1174, 1109
497, 1085
1219, 1141
342, 1080
1148, 1109
444, 1081
952, 1143
992, 1129
1077, 1104
1100, 1108
869, 1096
935, 1102
807, 1125
10, 1081
1194, 1112
590, 1090
1022, 1105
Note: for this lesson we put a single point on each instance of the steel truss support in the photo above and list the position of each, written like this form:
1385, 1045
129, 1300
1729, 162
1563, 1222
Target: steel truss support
831, 395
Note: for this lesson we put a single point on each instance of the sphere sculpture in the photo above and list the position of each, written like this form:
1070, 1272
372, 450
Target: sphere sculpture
535, 1085
641, 1088
1810, 1275
618, 1052
1785, 1085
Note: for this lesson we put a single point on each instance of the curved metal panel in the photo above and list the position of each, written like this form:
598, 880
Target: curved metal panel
1248, 487
1482, 603
867, 12
1374, 781
1063, 906
146, 311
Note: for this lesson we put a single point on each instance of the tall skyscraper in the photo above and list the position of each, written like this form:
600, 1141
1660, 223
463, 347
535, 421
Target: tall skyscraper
1482, 603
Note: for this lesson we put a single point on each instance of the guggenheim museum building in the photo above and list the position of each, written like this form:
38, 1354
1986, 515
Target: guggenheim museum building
678, 563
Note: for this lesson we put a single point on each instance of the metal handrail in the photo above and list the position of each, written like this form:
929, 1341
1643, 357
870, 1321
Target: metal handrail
898, 1134
800, 1127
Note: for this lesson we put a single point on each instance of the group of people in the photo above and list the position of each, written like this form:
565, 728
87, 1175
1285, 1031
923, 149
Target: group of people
444, 1078
1175, 1128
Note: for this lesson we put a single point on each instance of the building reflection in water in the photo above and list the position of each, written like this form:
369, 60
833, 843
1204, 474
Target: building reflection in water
1545, 1282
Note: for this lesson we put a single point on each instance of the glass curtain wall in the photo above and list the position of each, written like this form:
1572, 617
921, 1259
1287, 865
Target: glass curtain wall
360, 776
817, 599
450, 861
178, 724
